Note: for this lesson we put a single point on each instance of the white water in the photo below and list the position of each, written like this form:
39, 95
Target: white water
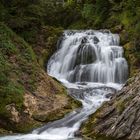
91, 65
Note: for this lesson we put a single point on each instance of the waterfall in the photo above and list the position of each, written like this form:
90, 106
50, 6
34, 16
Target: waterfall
91, 65
89, 56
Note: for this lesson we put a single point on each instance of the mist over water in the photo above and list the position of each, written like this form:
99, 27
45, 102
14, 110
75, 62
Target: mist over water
91, 65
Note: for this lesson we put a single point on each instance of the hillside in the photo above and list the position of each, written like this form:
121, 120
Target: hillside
28, 96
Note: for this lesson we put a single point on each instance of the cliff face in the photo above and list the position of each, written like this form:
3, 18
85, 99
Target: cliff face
120, 117
28, 96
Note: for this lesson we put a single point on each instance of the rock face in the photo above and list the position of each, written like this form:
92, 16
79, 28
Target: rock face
120, 117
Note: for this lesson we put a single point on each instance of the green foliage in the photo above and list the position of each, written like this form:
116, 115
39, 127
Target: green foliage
8, 89
88, 11
79, 25
70, 2
8, 92
47, 39
101, 12
26, 17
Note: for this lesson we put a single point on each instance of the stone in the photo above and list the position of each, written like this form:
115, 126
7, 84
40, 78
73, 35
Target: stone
14, 113
96, 40
120, 117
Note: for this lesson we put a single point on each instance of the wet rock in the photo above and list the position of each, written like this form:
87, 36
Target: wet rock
84, 40
109, 95
118, 28
105, 31
90, 33
96, 40
59, 42
77, 134
70, 32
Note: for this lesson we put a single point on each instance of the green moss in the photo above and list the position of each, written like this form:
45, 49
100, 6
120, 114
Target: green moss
24, 126
27, 126
51, 116
87, 127
17, 60
19, 74
57, 114
120, 106
132, 58
3, 131
99, 137
8, 89
79, 25
45, 42
6, 97
73, 103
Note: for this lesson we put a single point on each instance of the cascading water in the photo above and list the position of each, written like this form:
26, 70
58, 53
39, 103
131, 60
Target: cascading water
91, 65
89, 56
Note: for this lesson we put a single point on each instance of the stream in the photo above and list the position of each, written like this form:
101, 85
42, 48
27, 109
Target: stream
91, 65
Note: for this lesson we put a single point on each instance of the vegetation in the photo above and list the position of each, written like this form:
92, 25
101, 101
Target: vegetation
21, 74
10, 73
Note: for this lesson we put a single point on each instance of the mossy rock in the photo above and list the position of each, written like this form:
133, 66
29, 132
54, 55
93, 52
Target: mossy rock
45, 43
27, 127
3, 131
98, 137
124, 37
131, 56
52, 116
120, 106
